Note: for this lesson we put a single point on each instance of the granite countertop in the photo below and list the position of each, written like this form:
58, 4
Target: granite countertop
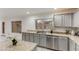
21, 46
72, 37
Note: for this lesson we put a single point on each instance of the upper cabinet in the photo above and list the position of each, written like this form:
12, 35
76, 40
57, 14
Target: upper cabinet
64, 20
58, 20
76, 19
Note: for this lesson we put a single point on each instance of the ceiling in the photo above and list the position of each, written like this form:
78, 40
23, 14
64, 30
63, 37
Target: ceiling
22, 11
33, 11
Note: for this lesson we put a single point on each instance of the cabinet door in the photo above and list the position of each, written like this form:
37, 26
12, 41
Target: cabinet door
36, 38
24, 36
31, 37
42, 40
67, 20
55, 43
63, 43
27, 37
72, 45
77, 47
48, 45
58, 20
50, 42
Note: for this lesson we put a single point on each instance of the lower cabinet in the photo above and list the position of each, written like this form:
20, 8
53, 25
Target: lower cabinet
49, 42
24, 36
31, 37
72, 45
77, 47
42, 41
36, 38
56, 45
63, 44
27, 37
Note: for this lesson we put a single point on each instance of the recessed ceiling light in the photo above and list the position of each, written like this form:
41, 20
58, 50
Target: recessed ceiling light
55, 8
27, 12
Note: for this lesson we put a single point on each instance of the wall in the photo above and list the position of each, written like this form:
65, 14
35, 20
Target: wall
8, 25
0, 26
29, 22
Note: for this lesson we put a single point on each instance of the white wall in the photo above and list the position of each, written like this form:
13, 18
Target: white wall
0, 26
8, 25
29, 23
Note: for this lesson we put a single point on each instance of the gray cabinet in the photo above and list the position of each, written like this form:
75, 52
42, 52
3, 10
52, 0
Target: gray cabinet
42, 41
64, 20
67, 20
24, 36
63, 44
77, 47
50, 42
72, 45
56, 45
36, 38
58, 20
27, 37
31, 37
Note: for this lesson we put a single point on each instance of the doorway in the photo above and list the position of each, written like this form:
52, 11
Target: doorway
3, 27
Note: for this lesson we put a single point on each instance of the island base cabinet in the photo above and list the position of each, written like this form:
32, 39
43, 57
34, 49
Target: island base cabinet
42, 41
63, 44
